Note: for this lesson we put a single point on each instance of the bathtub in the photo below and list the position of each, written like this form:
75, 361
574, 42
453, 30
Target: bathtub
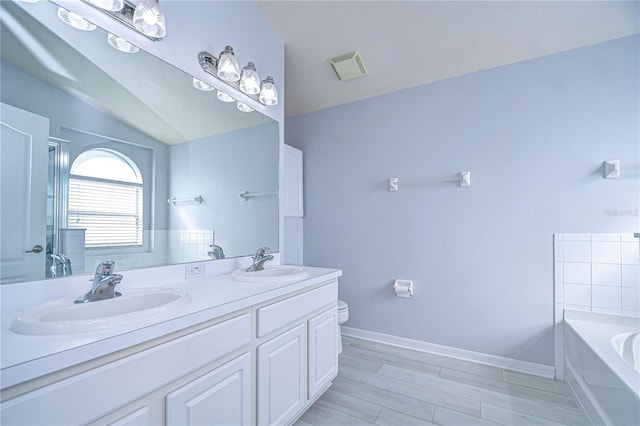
601, 365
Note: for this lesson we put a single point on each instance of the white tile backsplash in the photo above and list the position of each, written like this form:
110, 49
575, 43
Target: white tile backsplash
630, 299
605, 237
597, 272
576, 237
606, 274
577, 251
630, 253
577, 294
607, 297
631, 276
577, 273
605, 252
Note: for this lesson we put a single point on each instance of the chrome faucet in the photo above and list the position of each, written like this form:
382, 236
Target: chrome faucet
104, 284
60, 265
216, 253
259, 259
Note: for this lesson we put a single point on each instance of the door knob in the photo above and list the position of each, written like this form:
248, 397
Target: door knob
36, 249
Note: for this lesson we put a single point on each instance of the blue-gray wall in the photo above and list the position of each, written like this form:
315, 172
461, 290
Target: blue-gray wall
219, 168
534, 136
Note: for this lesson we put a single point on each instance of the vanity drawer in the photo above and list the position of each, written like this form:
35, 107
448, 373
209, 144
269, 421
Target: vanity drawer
279, 314
120, 382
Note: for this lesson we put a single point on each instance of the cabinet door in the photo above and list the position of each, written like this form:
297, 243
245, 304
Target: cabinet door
221, 397
323, 350
281, 376
139, 417
293, 200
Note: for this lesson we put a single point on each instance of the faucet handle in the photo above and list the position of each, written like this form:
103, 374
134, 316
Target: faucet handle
260, 252
106, 268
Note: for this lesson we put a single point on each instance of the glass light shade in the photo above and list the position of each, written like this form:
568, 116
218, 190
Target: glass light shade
268, 92
121, 44
111, 5
148, 18
75, 20
201, 85
249, 81
228, 67
244, 107
224, 97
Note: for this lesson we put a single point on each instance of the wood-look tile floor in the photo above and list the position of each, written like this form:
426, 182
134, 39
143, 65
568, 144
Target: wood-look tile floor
386, 385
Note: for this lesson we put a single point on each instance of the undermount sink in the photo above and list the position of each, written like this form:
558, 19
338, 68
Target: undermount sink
62, 316
271, 274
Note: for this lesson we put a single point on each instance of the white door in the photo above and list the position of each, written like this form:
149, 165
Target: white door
323, 350
24, 146
281, 377
221, 397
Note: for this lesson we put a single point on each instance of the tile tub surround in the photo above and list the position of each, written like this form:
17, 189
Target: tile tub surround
596, 273
387, 385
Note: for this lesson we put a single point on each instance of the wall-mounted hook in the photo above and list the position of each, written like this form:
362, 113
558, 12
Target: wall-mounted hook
393, 184
465, 178
611, 169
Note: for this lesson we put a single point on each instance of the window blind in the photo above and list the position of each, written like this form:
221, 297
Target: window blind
111, 212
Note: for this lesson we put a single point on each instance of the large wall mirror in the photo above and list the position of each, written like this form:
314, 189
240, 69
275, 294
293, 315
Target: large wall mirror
114, 155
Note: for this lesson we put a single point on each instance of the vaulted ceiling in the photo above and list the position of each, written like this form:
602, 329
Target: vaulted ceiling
409, 43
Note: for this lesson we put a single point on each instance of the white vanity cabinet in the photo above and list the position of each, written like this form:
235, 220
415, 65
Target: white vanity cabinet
219, 398
126, 379
323, 351
299, 358
281, 377
263, 364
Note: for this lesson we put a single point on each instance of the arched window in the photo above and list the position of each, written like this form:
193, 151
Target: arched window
105, 198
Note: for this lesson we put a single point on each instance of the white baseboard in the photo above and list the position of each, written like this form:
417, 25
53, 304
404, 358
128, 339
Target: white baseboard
541, 370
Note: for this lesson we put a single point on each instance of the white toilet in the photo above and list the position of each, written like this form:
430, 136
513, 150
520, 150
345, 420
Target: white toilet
343, 316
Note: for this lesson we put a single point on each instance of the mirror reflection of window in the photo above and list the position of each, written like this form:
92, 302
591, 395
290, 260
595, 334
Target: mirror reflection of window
106, 199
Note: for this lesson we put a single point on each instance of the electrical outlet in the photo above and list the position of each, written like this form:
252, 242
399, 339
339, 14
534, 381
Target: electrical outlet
194, 271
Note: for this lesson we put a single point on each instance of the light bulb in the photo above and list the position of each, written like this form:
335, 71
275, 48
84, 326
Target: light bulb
228, 67
224, 97
148, 18
121, 44
249, 81
244, 107
201, 85
111, 5
75, 20
268, 92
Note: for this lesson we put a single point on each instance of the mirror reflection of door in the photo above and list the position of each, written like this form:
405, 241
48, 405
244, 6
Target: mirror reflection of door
24, 148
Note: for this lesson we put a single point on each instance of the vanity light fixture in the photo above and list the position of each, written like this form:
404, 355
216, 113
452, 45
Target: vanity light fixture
144, 16
228, 67
74, 20
110, 5
148, 18
224, 97
225, 68
268, 92
244, 107
201, 85
121, 44
249, 80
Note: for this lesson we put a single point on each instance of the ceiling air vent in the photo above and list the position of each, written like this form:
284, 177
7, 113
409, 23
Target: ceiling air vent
348, 65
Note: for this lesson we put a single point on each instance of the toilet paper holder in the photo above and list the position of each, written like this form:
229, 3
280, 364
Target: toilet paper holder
403, 288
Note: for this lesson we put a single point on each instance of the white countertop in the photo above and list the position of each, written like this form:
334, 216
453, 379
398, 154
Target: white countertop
24, 357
